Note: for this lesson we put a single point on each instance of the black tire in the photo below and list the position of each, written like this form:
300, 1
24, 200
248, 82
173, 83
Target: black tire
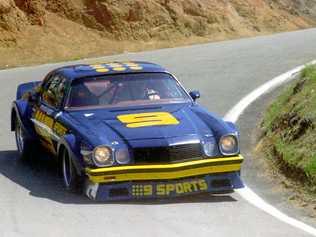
71, 180
26, 146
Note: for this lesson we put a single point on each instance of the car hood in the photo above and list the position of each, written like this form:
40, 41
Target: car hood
105, 123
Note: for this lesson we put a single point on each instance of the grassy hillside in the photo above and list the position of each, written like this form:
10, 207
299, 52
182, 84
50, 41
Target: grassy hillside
33, 31
289, 126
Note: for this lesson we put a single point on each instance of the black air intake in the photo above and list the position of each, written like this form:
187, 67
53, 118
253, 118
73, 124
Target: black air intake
170, 154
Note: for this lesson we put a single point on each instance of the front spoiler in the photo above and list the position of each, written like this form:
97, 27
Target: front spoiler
165, 171
215, 183
163, 181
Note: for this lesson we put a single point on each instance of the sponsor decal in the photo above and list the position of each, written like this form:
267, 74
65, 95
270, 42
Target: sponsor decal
59, 129
43, 118
169, 189
51, 126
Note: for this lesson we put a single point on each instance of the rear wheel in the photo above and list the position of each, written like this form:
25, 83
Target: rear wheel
72, 181
24, 145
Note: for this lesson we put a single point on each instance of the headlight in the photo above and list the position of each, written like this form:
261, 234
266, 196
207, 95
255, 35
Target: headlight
102, 156
122, 156
208, 148
228, 145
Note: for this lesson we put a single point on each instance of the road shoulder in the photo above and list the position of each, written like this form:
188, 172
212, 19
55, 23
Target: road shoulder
258, 173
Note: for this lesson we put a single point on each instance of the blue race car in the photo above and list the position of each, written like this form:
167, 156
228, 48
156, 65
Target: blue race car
126, 130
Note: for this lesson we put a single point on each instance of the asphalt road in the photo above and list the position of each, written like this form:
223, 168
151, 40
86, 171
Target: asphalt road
33, 203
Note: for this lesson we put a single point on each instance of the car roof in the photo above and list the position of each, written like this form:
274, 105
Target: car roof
108, 68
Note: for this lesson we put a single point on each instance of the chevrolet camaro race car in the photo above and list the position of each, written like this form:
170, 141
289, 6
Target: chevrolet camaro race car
126, 130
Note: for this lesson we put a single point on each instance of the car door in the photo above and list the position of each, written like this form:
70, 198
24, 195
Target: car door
47, 110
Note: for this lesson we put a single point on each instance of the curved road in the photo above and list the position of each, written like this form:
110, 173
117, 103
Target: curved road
32, 202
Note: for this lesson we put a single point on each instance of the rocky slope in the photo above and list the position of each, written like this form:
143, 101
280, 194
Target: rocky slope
41, 30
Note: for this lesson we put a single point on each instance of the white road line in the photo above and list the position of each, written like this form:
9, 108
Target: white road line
233, 116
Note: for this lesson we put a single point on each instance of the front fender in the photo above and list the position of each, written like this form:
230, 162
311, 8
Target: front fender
72, 145
218, 126
233, 127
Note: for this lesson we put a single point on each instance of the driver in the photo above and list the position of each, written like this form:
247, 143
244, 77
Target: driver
151, 94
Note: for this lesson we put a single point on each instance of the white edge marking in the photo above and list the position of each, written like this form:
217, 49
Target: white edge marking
233, 116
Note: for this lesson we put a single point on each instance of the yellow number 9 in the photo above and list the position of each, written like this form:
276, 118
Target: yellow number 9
148, 190
148, 119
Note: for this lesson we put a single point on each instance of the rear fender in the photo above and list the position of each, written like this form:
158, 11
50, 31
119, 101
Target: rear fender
26, 87
23, 112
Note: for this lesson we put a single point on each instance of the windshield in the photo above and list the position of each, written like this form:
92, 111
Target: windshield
125, 90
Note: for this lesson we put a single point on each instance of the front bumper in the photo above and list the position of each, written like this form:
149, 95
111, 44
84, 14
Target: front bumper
164, 180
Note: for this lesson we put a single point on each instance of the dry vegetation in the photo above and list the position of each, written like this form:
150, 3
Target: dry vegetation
33, 31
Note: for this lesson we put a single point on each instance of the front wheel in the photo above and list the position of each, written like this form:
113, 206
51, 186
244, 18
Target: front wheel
72, 181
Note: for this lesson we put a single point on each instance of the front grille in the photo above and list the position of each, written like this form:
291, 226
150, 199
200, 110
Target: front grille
170, 154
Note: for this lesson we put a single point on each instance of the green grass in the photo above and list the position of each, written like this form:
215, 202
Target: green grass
290, 125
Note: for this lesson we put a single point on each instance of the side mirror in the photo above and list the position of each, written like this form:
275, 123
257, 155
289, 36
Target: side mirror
195, 95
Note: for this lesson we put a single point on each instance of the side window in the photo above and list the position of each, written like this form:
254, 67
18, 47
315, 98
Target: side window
54, 91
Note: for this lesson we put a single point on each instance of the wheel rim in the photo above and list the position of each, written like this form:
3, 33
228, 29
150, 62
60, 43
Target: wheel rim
19, 137
67, 169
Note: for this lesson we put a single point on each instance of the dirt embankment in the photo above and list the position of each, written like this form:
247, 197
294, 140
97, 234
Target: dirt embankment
33, 31
289, 131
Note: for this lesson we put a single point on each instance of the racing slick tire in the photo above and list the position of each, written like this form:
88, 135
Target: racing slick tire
72, 181
26, 147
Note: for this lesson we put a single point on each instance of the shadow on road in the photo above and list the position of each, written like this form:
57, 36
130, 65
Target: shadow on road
42, 179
